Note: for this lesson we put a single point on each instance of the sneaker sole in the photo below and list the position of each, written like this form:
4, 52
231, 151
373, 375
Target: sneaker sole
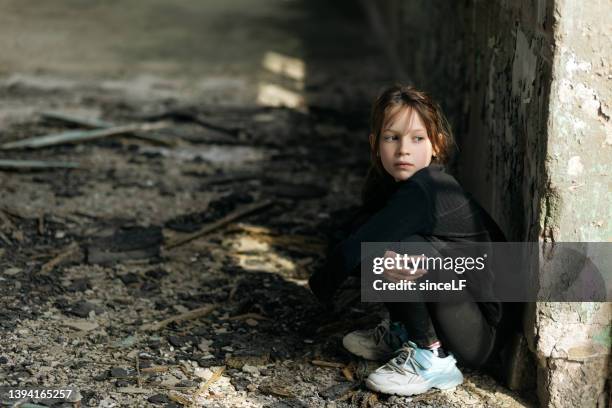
402, 391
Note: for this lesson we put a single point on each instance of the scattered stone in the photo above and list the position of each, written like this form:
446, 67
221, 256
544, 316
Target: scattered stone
275, 390
79, 285
154, 343
203, 373
177, 341
122, 384
126, 342
250, 369
129, 278
118, 372
12, 271
187, 383
210, 362
241, 384
158, 399
336, 391
170, 382
238, 360
83, 308
3, 360
204, 345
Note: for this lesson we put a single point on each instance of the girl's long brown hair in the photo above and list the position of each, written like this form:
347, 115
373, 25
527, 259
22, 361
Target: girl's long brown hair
379, 184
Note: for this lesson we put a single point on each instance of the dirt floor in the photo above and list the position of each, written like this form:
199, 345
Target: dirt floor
262, 115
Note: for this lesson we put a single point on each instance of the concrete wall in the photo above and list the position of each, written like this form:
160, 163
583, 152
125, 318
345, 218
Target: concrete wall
489, 64
526, 86
572, 340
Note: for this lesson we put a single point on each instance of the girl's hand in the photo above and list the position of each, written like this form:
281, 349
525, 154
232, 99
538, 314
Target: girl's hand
400, 274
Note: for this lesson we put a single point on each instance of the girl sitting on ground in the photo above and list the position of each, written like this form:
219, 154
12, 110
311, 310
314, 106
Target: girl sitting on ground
409, 196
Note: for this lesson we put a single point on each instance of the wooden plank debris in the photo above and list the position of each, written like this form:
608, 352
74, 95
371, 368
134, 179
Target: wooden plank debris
238, 213
90, 123
330, 364
77, 136
190, 315
68, 252
37, 164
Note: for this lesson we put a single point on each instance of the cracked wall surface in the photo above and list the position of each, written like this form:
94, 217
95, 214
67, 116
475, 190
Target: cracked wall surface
572, 340
526, 86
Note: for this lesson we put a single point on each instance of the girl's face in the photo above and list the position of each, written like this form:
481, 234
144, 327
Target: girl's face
404, 146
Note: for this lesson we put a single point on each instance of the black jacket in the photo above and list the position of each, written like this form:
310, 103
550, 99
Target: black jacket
432, 204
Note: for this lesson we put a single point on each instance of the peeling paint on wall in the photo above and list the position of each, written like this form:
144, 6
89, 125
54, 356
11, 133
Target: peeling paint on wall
574, 166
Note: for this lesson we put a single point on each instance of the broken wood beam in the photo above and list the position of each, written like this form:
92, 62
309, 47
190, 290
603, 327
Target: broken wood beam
91, 123
37, 164
78, 136
240, 212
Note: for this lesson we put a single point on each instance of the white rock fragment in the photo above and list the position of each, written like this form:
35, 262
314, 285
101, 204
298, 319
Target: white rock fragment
204, 345
12, 271
251, 370
203, 373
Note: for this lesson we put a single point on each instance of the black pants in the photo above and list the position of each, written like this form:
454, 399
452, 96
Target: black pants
459, 326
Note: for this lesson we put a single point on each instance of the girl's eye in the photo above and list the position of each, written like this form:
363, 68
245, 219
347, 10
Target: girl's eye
418, 138
388, 138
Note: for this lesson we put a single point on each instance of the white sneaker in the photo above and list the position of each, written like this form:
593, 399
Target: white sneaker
379, 343
414, 371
